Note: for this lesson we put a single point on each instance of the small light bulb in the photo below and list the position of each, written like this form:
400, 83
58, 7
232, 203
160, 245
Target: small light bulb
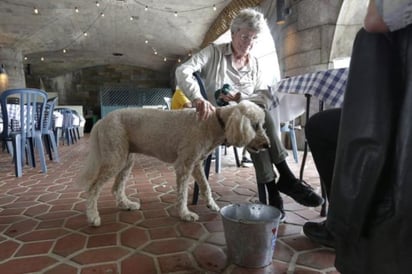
102, 14
131, 18
146, 41
175, 13
165, 59
64, 50
85, 34
36, 11
146, 8
97, 4
42, 59
76, 10
214, 7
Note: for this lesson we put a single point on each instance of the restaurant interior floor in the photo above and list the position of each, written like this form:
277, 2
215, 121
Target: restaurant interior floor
43, 227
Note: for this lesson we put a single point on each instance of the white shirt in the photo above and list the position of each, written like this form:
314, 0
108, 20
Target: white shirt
396, 14
215, 66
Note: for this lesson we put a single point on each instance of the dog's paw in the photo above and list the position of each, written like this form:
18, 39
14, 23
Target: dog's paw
190, 217
94, 221
213, 206
129, 205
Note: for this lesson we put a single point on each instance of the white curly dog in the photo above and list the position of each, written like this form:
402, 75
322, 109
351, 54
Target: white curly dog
174, 136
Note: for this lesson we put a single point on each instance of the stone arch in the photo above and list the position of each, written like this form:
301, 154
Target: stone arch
348, 23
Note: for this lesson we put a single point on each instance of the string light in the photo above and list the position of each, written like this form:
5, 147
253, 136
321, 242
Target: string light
166, 10
176, 14
146, 8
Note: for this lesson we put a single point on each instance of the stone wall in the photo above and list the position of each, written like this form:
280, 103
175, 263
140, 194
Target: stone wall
12, 60
82, 87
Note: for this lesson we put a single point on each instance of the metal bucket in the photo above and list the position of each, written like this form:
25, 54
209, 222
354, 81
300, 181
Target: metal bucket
250, 232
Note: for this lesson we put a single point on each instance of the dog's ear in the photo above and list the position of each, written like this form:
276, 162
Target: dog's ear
239, 131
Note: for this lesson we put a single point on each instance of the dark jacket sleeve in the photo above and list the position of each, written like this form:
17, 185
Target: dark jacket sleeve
364, 154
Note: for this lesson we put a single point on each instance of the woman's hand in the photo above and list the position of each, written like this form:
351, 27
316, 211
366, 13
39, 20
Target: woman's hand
203, 108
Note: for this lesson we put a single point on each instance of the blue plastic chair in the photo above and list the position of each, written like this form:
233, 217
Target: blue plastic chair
68, 132
22, 125
49, 137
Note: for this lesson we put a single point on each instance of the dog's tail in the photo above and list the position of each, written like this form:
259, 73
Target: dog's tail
90, 169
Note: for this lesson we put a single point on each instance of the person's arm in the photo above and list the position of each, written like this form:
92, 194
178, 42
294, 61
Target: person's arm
186, 81
388, 15
373, 21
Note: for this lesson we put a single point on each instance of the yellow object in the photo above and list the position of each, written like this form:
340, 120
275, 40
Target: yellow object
179, 100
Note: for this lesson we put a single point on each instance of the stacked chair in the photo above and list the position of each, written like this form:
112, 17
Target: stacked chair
48, 133
23, 117
67, 131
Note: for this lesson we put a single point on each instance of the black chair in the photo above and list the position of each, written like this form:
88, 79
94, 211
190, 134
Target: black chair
208, 160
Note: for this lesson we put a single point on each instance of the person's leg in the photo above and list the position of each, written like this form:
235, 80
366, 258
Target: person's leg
321, 133
287, 183
266, 181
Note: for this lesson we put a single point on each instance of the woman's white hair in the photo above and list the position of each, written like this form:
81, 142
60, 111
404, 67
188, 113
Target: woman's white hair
249, 18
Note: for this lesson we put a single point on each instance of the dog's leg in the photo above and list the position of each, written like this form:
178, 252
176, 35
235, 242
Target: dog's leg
182, 182
92, 211
204, 187
119, 187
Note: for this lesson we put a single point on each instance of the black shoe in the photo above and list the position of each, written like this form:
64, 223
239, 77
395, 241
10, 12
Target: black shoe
300, 191
319, 233
276, 200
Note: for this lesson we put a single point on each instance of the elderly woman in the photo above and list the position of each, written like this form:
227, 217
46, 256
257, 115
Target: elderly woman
232, 64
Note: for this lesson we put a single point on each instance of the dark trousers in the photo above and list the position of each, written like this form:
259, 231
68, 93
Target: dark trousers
321, 132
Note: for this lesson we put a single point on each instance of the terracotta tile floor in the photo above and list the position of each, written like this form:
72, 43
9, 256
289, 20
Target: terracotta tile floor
44, 229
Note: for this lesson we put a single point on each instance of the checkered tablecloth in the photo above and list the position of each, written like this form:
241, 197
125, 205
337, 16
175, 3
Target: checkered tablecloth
13, 111
328, 86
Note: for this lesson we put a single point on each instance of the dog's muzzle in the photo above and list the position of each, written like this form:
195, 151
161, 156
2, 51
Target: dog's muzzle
259, 143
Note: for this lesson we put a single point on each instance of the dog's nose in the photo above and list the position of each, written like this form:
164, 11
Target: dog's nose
266, 146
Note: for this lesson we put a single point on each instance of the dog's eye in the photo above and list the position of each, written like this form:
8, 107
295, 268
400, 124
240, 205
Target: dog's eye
256, 126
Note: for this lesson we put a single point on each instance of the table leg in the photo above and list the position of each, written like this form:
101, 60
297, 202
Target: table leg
305, 148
